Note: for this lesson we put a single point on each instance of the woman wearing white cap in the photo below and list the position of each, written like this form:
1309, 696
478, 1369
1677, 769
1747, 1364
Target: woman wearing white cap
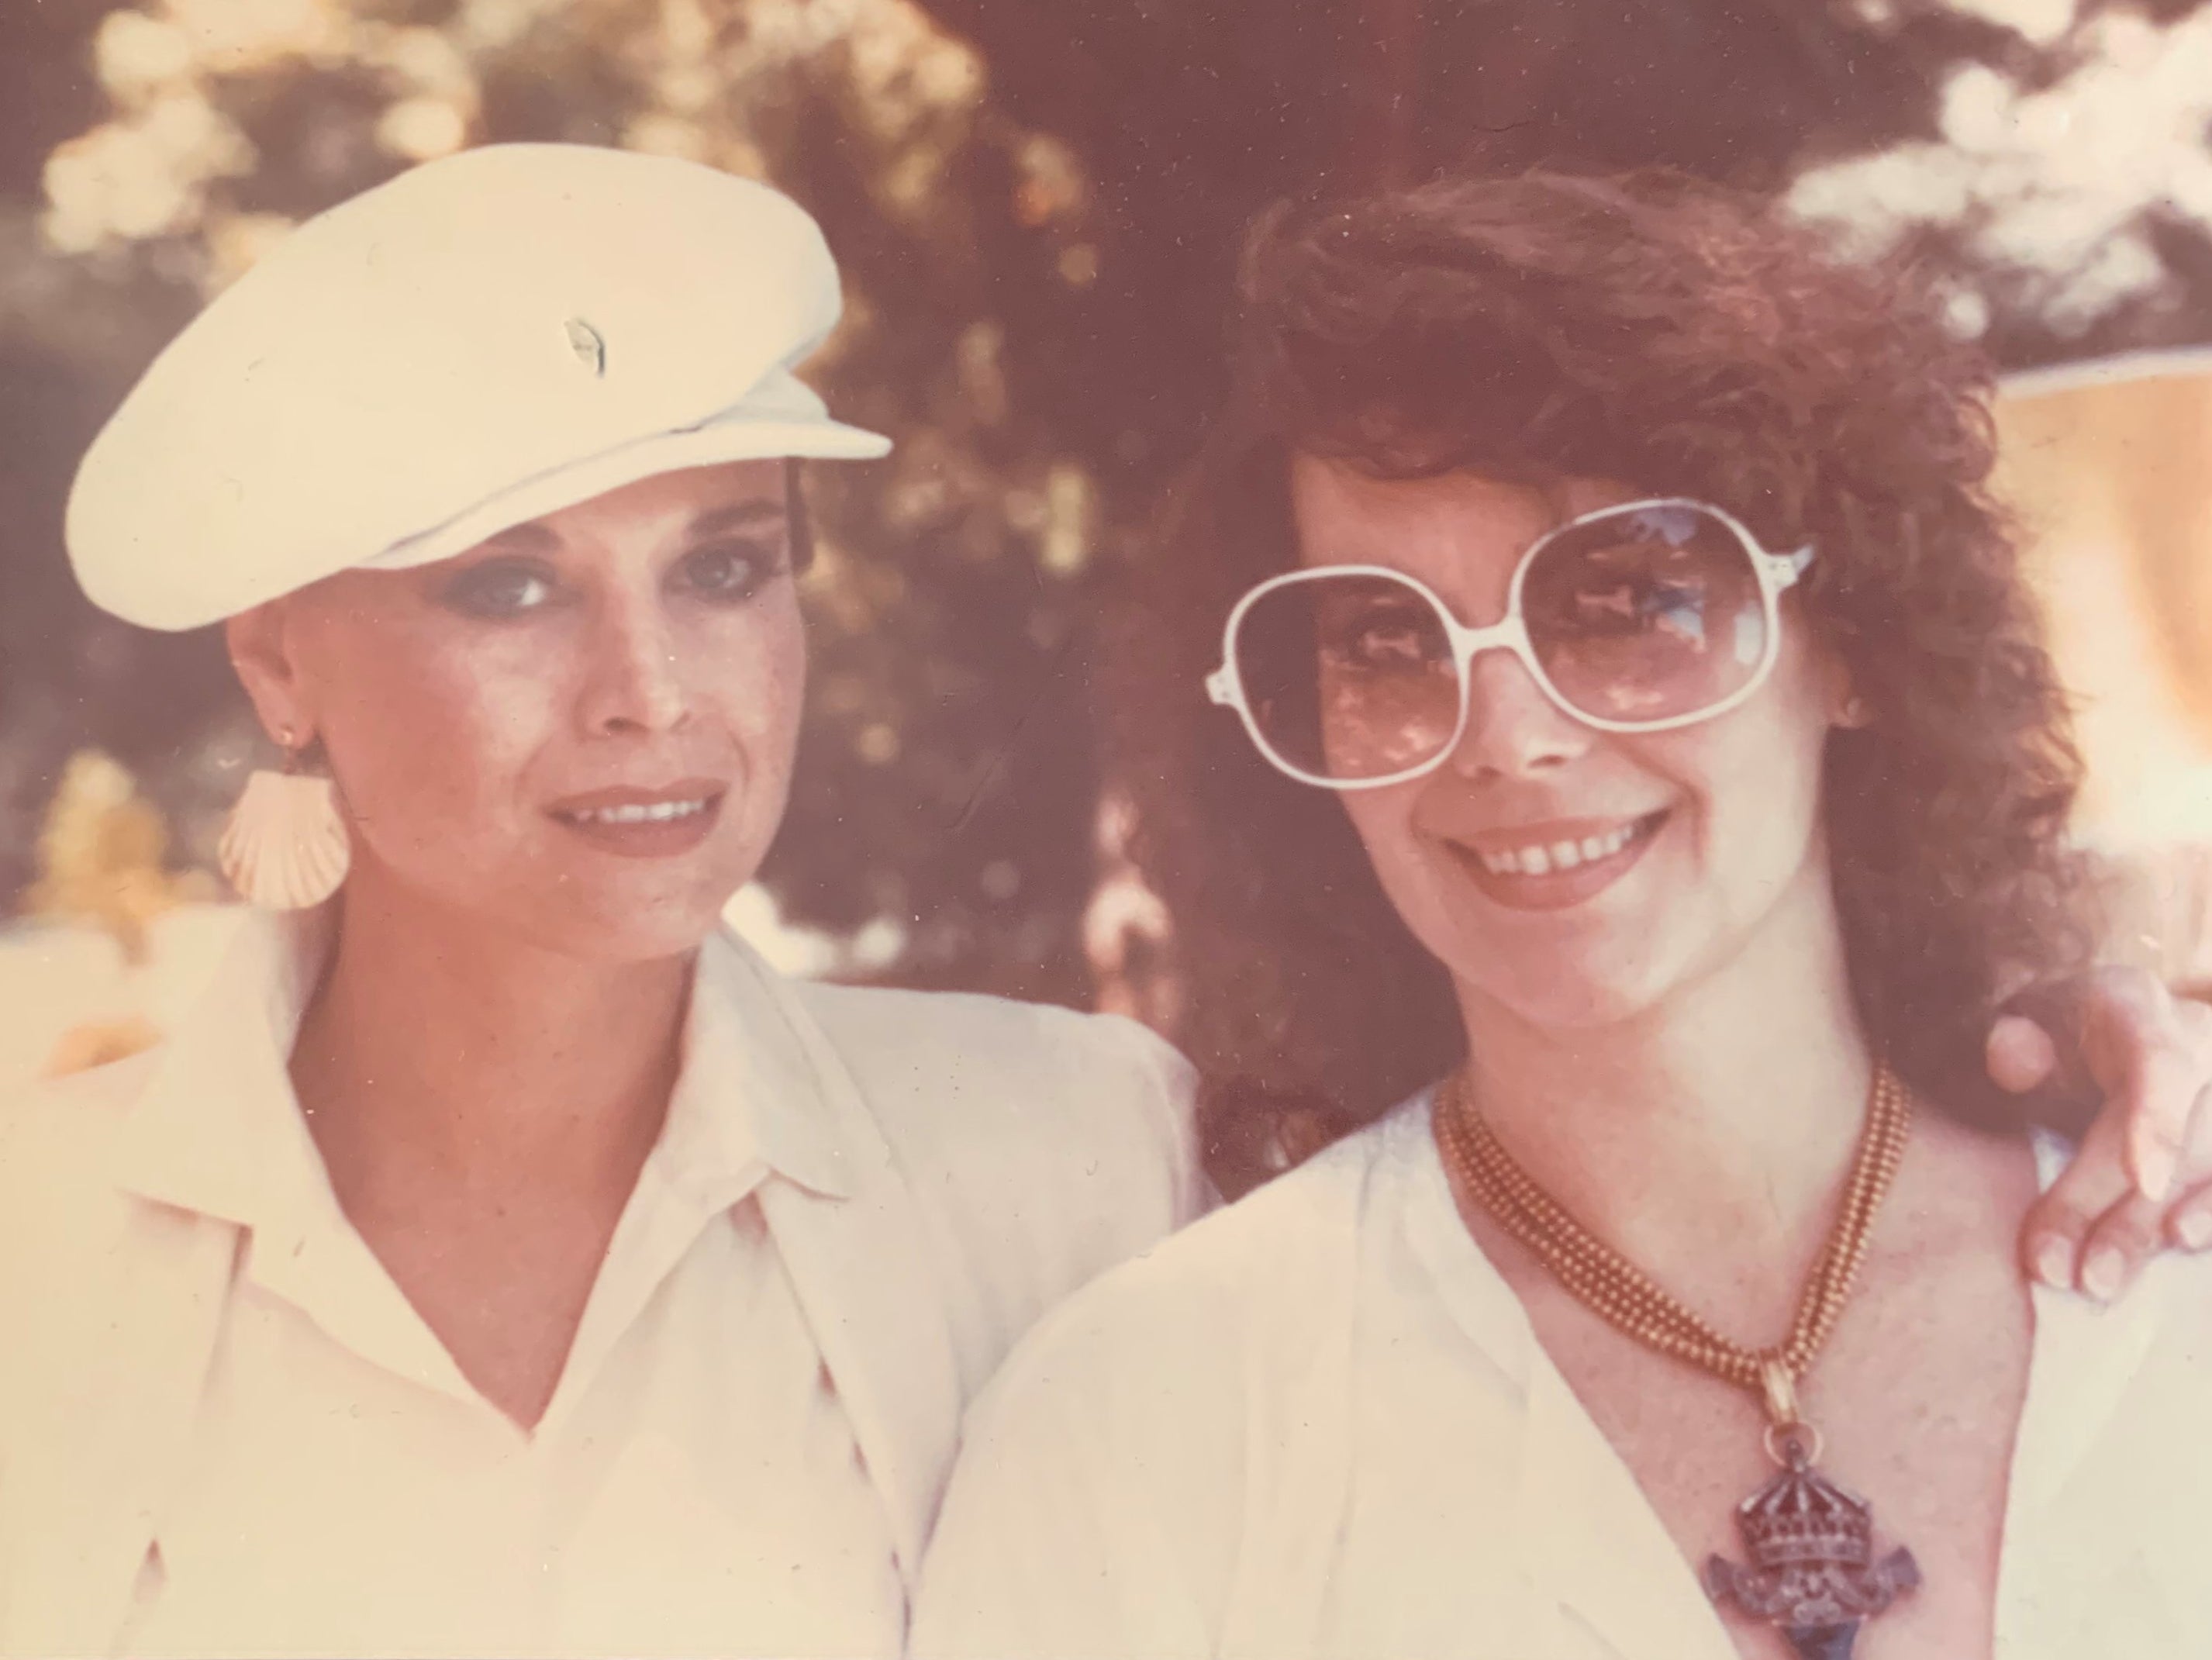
502, 1259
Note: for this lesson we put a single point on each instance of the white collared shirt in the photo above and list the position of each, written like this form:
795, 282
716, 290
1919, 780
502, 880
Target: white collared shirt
1320, 1423
693, 1486
940, 1169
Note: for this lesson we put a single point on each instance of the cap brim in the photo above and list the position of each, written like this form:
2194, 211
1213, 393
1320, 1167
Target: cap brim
731, 437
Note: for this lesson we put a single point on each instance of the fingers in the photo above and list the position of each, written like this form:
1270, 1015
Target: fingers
2151, 1056
2189, 1223
2120, 1244
2073, 1245
2056, 1237
2171, 1112
2021, 1057
2142, 1179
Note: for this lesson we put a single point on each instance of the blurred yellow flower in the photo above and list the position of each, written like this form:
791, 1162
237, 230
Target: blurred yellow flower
101, 856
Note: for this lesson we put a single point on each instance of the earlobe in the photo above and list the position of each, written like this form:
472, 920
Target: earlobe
1847, 708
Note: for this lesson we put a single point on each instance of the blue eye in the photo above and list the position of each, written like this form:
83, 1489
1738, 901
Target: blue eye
730, 572
498, 589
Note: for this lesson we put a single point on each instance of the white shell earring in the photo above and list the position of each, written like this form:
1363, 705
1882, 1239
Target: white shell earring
284, 847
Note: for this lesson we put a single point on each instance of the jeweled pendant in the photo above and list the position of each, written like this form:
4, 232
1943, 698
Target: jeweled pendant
1811, 1544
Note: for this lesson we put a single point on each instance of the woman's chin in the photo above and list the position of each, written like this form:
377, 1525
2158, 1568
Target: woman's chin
1580, 990
629, 921
591, 936
626, 909
1582, 1005
626, 914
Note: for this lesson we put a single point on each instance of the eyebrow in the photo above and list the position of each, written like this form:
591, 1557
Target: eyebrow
532, 536
527, 537
761, 510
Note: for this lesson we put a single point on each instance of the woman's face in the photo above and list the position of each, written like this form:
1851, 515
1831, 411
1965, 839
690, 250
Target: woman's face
1663, 855
580, 731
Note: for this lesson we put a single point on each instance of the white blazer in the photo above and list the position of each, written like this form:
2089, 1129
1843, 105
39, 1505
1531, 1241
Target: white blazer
1166, 1467
1003, 1154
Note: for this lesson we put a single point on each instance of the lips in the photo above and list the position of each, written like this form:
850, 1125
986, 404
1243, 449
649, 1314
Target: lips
1556, 864
644, 824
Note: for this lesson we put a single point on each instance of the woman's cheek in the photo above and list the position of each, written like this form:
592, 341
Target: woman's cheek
441, 756
756, 676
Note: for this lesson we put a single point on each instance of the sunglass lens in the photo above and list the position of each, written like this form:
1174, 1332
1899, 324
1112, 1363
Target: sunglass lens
1647, 614
1348, 677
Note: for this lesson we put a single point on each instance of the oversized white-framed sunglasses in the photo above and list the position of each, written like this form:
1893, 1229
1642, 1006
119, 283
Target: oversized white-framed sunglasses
1639, 617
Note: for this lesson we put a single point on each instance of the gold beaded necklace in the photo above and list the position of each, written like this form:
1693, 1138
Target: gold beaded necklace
1810, 1541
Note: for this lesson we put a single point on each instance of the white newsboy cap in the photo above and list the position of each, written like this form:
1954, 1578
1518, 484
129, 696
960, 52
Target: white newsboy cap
482, 340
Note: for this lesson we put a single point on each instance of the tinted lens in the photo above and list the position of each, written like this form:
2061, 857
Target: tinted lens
1348, 677
1646, 614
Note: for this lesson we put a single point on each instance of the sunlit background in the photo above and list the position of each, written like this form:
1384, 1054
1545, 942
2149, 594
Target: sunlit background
1034, 202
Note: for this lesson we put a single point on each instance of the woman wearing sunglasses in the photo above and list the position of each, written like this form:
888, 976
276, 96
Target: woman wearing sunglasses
1638, 760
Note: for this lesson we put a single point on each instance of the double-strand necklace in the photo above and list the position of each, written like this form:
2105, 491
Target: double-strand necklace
1811, 1543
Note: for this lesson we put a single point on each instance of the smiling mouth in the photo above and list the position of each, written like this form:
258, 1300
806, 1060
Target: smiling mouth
636, 812
1560, 869
1542, 858
644, 823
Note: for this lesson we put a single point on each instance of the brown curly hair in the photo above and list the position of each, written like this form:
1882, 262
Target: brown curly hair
1678, 339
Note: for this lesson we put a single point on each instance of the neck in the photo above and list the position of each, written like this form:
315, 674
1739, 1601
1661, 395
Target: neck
1715, 1126
436, 1045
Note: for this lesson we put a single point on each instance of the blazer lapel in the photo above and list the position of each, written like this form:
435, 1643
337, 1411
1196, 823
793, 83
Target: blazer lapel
82, 1491
860, 1262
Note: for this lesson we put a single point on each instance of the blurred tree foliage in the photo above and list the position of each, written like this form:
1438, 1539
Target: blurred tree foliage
1036, 203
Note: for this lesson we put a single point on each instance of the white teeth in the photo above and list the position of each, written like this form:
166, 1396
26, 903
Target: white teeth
1539, 859
643, 813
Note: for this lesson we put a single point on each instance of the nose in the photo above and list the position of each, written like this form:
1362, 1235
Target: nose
1513, 730
636, 684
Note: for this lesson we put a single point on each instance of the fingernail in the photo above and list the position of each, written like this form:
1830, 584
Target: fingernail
2154, 1163
2100, 1274
2194, 1228
2054, 1264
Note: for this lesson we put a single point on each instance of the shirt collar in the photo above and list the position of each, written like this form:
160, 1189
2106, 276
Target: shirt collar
217, 1129
741, 1096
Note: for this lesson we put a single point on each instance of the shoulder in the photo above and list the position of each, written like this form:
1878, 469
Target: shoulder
942, 1045
1106, 1479
1041, 1146
61, 1134
2177, 1285
965, 1084
68, 1225
1259, 1281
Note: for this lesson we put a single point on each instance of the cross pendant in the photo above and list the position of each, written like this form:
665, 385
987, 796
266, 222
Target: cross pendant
1823, 1642
1812, 1575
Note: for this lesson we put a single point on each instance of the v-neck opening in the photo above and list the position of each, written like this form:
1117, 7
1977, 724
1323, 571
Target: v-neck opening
352, 1295
1481, 1301
2080, 1359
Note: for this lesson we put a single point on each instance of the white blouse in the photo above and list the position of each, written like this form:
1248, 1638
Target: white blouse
1320, 1423
692, 1488
222, 1428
